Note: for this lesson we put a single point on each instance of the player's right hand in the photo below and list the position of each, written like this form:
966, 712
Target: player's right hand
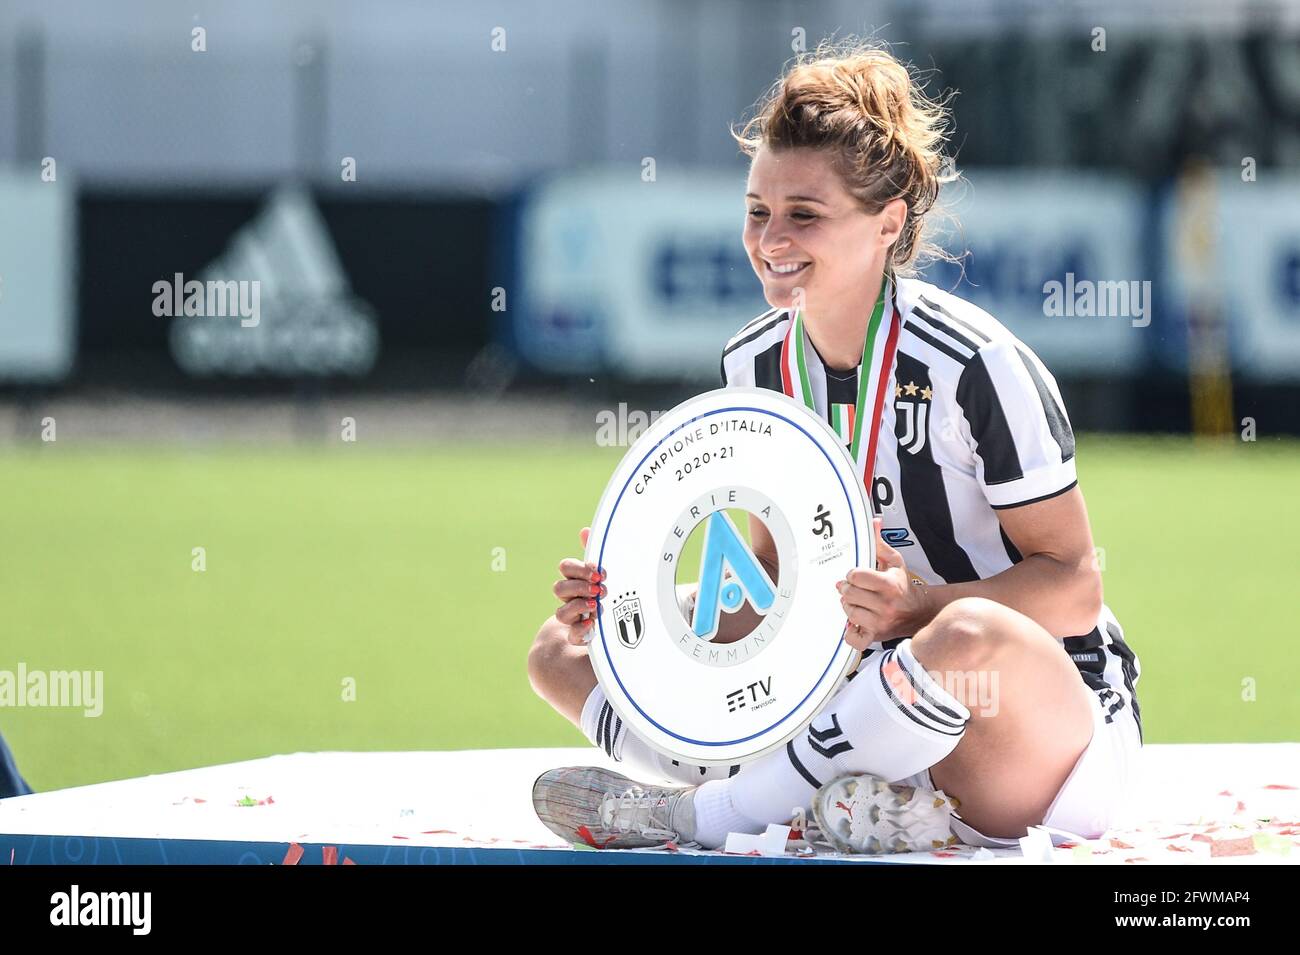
579, 586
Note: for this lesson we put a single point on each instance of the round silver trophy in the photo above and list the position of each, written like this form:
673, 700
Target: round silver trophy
684, 673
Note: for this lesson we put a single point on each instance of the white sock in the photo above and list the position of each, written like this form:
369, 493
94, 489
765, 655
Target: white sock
891, 720
605, 729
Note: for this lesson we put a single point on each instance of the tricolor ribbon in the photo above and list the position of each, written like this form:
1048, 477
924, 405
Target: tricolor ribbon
873, 378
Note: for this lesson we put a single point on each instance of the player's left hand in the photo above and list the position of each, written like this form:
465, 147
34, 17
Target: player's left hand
880, 604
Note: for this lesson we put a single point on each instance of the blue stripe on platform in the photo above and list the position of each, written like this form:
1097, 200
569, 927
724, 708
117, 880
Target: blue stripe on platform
105, 850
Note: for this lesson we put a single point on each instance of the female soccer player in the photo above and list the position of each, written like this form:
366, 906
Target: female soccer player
993, 674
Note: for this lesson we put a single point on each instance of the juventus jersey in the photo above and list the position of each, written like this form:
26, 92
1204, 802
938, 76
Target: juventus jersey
977, 425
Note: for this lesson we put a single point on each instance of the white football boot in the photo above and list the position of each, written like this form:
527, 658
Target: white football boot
865, 814
607, 810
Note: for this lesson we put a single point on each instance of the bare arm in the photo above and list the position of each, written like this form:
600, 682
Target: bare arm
1057, 584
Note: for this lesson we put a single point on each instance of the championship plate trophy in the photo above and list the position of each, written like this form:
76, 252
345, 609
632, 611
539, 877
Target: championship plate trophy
654, 652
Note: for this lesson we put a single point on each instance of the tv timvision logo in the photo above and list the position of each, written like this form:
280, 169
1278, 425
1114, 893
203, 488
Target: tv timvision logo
754, 697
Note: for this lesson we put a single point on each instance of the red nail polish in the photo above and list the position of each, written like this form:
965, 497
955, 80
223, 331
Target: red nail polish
591, 603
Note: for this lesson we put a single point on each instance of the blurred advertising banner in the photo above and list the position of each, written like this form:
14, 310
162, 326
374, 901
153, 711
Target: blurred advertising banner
276, 303
1056, 257
37, 259
1232, 251
642, 279
649, 279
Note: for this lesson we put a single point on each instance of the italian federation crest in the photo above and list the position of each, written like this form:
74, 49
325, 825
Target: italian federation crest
628, 619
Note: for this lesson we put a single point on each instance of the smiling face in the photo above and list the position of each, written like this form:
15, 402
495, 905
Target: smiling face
805, 231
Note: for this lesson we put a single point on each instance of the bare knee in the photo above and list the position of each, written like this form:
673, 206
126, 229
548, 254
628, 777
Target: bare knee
970, 633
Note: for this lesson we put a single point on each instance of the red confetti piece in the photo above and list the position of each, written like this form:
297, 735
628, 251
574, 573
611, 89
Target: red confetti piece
329, 855
1178, 848
1225, 793
671, 846
401, 837
196, 799
1202, 837
944, 855
1066, 845
1278, 786
1137, 859
1232, 847
1241, 806
293, 855
347, 861
590, 840
438, 832
1120, 844
1176, 835
1283, 832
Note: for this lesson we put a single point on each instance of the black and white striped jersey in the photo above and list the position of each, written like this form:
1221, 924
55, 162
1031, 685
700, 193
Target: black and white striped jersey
978, 425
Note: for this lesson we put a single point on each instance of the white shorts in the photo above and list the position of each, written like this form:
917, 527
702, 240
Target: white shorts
1097, 792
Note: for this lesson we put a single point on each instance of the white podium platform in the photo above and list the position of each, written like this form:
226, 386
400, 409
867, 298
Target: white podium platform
1214, 803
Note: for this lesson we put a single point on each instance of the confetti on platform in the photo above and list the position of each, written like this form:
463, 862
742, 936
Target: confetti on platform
1232, 847
590, 839
1268, 842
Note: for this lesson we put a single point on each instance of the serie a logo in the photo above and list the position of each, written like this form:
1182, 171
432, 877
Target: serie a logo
723, 545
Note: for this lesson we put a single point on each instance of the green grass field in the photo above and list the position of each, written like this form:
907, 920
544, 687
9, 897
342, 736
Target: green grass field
378, 565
